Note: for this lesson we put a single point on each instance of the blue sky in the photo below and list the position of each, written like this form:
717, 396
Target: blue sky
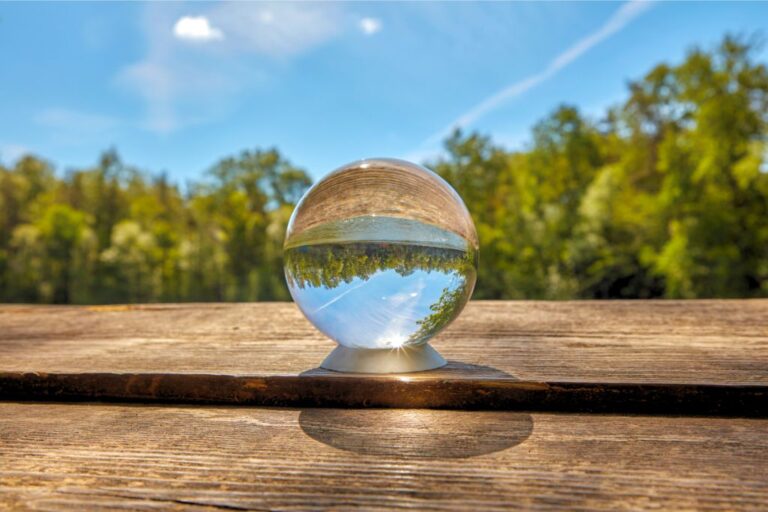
176, 86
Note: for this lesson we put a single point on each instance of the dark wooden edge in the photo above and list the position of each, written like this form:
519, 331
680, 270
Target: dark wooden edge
390, 392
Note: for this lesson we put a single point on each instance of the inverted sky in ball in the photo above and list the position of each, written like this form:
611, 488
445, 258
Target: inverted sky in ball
381, 254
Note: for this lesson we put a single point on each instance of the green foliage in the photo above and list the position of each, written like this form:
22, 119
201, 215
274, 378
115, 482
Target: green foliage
665, 196
329, 265
444, 311
113, 234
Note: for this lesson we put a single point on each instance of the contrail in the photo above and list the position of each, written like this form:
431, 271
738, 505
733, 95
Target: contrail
340, 296
621, 18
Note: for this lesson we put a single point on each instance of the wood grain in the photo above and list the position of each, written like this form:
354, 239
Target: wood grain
110, 457
698, 357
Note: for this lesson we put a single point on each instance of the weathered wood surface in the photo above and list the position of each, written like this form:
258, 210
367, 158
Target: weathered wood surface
717, 342
701, 357
88, 456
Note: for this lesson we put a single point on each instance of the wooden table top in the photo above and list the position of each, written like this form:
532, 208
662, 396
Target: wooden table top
569, 405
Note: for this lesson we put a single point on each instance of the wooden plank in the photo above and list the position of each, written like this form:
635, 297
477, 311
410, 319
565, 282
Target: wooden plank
327, 390
702, 357
75, 457
716, 342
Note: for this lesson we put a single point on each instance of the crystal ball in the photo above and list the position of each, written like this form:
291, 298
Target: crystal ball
381, 254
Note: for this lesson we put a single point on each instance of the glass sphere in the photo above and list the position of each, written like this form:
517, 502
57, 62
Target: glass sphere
381, 254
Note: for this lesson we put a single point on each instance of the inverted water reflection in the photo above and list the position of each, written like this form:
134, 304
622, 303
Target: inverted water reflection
381, 294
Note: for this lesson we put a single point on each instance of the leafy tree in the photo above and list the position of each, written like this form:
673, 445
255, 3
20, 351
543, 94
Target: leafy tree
48, 254
665, 195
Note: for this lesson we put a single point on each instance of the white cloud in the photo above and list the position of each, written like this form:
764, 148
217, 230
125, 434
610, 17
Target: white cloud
196, 28
184, 84
621, 18
266, 16
154, 83
277, 30
370, 26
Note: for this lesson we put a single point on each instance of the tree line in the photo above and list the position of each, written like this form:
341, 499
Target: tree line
114, 234
664, 195
329, 265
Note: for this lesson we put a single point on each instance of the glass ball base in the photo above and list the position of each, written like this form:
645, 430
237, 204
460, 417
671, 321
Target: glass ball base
401, 360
